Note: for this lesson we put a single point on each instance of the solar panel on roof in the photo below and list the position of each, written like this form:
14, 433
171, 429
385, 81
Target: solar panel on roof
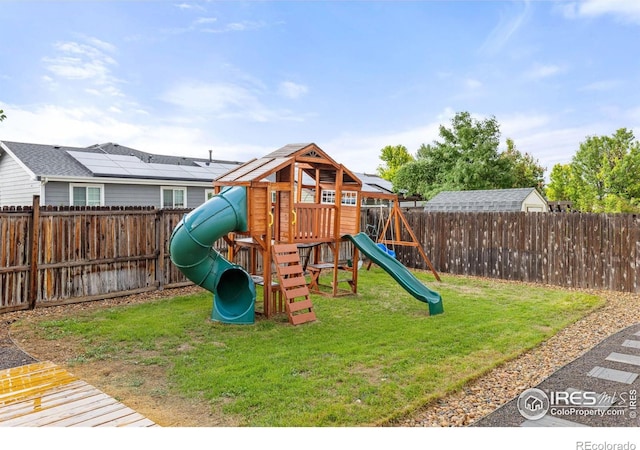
131, 166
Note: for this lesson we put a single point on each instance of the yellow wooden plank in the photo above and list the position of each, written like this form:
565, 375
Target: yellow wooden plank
55, 397
21, 392
28, 368
43, 394
63, 411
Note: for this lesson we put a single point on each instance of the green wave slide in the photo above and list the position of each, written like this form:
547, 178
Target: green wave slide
190, 247
399, 272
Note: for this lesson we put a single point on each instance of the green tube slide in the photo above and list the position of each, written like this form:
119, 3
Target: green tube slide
190, 247
399, 272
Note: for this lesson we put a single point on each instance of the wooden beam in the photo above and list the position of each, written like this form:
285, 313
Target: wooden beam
34, 250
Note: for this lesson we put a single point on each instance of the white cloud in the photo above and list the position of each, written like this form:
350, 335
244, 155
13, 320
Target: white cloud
292, 90
49, 124
534, 133
602, 85
245, 25
210, 97
540, 71
89, 62
624, 10
188, 6
203, 20
361, 152
508, 25
224, 100
472, 84
546, 139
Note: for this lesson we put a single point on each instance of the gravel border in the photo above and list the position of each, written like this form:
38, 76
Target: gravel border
475, 401
493, 390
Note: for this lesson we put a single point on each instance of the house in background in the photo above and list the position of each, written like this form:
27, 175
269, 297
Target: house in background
521, 199
112, 175
103, 175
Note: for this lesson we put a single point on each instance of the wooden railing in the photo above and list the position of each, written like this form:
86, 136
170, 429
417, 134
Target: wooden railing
313, 223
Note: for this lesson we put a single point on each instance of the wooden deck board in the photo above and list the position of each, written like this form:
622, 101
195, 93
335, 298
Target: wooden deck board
43, 394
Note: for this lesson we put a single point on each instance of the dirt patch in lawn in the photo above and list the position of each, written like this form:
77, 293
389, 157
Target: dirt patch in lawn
142, 387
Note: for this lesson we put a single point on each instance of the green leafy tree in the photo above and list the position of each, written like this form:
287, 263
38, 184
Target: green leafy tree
394, 157
603, 176
560, 184
526, 170
2, 115
466, 157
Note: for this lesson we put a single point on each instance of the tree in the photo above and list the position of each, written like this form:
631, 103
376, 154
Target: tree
560, 185
527, 171
466, 157
2, 115
394, 157
603, 176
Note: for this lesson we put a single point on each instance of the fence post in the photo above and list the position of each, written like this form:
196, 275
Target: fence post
34, 251
160, 245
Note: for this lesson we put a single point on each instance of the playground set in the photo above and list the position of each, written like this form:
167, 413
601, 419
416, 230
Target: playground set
295, 211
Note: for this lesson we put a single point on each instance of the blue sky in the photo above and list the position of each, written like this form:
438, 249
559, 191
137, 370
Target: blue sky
245, 78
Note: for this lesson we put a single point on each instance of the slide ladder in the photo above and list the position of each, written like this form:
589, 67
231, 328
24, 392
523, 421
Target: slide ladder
293, 283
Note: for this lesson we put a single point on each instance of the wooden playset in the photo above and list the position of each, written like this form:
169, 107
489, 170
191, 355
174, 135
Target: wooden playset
297, 212
296, 195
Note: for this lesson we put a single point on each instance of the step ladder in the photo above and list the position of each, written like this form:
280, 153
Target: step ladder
293, 283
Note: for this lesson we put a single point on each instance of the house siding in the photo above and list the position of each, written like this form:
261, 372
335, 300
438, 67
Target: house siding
131, 195
196, 196
16, 186
57, 194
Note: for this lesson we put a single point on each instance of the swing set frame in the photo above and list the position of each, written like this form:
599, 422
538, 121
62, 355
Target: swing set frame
394, 223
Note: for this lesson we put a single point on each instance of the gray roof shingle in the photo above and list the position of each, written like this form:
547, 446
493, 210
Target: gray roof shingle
53, 160
479, 200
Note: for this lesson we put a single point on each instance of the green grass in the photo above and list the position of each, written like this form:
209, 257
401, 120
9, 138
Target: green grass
368, 358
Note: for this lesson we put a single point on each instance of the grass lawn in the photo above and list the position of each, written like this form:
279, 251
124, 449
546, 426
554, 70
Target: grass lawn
368, 359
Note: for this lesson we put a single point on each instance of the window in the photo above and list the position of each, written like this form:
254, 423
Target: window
349, 198
208, 194
86, 195
328, 197
173, 197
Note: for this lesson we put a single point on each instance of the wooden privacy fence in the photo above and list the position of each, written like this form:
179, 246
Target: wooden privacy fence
51, 256
565, 249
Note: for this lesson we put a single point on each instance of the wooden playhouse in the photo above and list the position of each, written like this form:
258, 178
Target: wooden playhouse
297, 195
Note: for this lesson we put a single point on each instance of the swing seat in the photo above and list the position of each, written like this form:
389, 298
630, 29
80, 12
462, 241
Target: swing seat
387, 250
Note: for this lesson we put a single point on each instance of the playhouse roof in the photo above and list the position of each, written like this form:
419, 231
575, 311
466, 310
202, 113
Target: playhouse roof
308, 156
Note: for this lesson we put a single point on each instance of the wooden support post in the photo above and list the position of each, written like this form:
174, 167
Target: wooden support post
160, 245
34, 250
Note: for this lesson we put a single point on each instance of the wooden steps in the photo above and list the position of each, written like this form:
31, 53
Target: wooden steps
293, 284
